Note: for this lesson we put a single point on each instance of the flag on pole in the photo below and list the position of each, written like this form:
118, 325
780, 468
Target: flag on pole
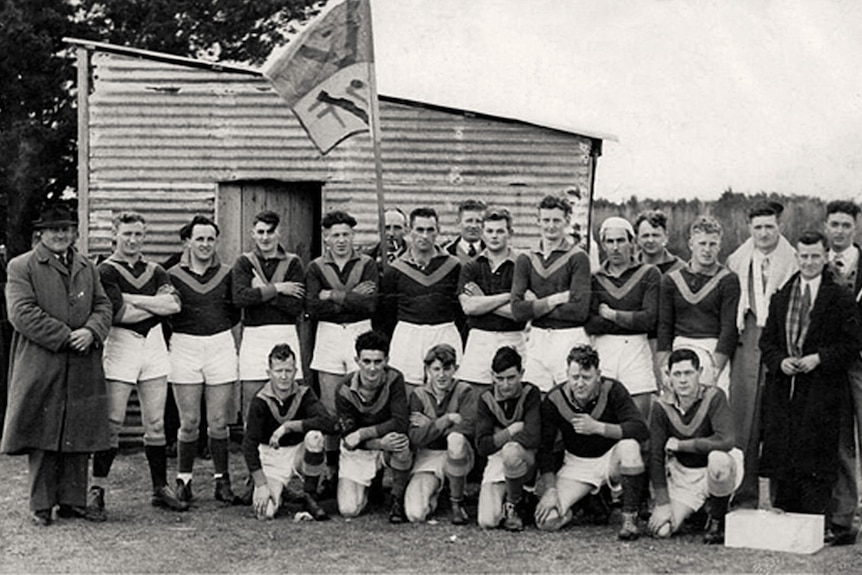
324, 74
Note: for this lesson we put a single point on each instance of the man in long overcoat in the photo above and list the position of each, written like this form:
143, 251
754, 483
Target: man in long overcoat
810, 338
57, 408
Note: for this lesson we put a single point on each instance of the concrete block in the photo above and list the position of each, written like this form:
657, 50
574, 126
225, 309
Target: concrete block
760, 529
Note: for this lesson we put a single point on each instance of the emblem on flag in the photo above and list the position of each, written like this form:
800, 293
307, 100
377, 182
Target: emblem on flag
324, 74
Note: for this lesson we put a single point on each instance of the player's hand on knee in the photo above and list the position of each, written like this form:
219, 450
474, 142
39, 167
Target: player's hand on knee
394, 441
352, 440
261, 498
661, 521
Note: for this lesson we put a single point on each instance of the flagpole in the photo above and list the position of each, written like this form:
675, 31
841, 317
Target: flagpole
374, 126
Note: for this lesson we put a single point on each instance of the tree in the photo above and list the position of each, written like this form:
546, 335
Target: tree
38, 123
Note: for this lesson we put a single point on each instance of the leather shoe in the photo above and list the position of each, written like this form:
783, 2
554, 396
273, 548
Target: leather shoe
165, 497
42, 517
78, 512
184, 490
838, 535
224, 493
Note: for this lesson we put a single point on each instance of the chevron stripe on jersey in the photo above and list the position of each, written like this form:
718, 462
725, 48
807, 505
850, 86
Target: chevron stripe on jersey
421, 278
353, 278
544, 271
568, 408
673, 415
280, 270
192, 282
619, 292
272, 403
429, 400
685, 291
136, 282
517, 415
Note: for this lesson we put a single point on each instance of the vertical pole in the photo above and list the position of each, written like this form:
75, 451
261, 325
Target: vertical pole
374, 126
83, 64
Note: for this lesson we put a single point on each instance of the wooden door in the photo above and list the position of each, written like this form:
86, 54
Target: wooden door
298, 204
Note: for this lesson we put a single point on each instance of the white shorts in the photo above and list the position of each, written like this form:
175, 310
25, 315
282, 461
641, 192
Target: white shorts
627, 358
480, 349
595, 471
689, 485
280, 465
547, 350
258, 341
359, 465
705, 349
209, 359
130, 357
410, 343
334, 346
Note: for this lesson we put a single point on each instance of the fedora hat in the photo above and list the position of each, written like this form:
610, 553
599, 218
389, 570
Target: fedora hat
56, 215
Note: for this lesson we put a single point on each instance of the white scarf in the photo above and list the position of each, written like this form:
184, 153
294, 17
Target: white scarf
782, 265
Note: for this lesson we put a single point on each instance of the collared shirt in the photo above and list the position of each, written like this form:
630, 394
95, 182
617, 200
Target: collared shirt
263, 305
344, 305
140, 278
813, 284
668, 261
633, 294
421, 294
207, 308
493, 280
567, 268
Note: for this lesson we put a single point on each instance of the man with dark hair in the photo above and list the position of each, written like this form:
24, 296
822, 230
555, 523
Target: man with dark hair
484, 291
269, 287
810, 339
419, 298
697, 306
135, 355
508, 430
372, 410
284, 437
341, 295
693, 461
203, 356
442, 414
845, 264
764, 262
57, 406
468, 244
624, 309
651, 234
557, 273
602, 430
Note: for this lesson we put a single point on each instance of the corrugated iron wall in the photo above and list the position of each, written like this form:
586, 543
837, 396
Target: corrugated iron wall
162, 137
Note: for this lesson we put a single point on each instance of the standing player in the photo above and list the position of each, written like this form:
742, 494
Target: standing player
468, 244
651, 231
693, 460
269, 286
508, 430
602, 430
442, 414
203, 355
484, 291
764, 262
341, 294
284, 437
698, 304
372, 411
624, 309
845, 263
420, 293
557, 273
136, 356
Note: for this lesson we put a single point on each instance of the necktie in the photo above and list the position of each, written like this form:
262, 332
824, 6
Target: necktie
839, 265
472, 251
805, 306
764, 272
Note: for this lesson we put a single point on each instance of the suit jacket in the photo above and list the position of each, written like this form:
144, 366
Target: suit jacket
800, 413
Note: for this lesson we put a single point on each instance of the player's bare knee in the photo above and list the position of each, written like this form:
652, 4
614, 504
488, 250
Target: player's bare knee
457, 445
629, 451
719, 461
314, 441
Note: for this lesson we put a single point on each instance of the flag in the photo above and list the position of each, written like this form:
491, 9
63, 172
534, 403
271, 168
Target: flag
324, 75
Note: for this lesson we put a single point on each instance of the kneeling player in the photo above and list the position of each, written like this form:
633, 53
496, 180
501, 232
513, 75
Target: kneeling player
601, 429
508, 429
284, 437
693, 460
372, 410
441, 425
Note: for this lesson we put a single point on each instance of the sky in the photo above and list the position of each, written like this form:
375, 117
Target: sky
700, 96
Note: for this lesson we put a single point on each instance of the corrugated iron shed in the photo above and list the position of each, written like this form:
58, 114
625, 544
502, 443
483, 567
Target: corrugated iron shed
160, 134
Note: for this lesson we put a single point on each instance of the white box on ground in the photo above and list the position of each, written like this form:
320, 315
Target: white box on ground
760, 529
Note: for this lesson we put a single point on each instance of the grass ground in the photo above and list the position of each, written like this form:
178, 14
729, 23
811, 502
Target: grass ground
138, 538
